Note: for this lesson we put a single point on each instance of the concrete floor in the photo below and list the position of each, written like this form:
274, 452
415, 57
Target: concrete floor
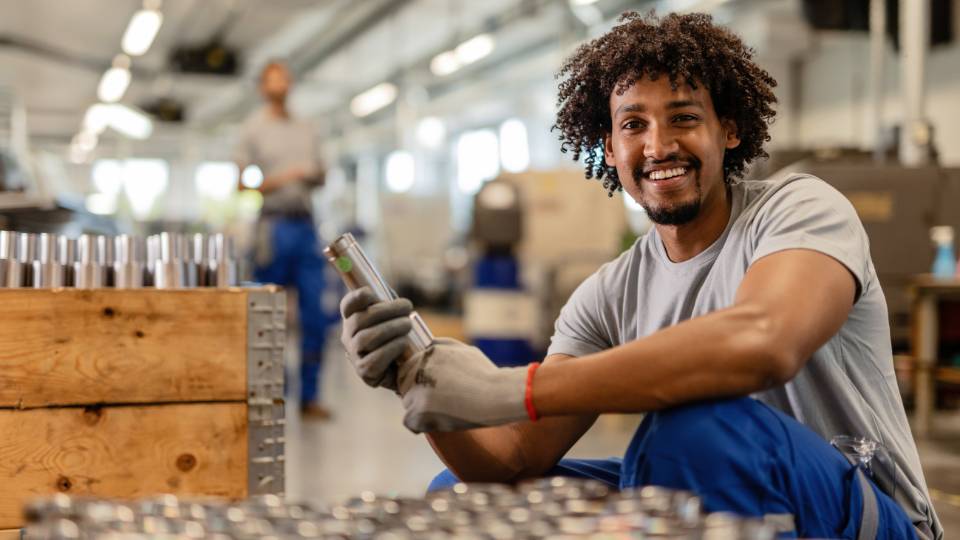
365, 447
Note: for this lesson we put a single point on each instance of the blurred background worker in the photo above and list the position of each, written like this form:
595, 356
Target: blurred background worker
285, 250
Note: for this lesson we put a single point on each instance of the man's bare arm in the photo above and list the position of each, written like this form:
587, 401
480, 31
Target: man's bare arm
510, 452
787, 306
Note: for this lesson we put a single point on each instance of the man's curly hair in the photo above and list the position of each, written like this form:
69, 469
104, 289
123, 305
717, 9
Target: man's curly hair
688, 49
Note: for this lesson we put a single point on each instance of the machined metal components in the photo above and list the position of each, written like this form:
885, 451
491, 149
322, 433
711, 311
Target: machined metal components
543, 508
164, 261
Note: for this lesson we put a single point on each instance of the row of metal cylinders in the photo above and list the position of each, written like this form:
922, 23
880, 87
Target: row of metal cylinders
162, 261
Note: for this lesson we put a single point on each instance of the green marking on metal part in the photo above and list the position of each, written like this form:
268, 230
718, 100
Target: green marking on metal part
344, 264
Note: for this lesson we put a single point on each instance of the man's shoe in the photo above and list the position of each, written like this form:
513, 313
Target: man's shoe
314, 411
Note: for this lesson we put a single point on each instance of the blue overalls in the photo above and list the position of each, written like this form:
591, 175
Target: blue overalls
295, 261
745, 457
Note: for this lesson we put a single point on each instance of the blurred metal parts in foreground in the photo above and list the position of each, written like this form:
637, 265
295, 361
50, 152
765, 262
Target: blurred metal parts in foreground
163, 261
544, 508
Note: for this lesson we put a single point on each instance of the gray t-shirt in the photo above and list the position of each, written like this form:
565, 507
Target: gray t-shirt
848, 386
275, 145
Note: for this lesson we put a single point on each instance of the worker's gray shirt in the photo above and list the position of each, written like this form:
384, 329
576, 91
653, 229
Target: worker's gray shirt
276, 145
848, 386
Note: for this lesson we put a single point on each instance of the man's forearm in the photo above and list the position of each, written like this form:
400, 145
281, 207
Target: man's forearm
511, 452
723, 354
479, 455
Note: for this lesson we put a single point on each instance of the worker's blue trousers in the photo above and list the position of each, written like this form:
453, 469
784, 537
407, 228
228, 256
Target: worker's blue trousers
296, 262
745, 457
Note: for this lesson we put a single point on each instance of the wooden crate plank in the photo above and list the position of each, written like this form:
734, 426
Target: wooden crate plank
135, 451
62, 347
10, 534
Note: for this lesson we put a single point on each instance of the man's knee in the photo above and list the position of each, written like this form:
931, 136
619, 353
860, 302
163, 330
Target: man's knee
708, 427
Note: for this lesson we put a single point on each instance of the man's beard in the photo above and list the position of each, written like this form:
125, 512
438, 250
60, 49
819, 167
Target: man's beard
677, 214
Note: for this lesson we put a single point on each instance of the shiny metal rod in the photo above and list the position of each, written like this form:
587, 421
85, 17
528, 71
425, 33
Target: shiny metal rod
356, 270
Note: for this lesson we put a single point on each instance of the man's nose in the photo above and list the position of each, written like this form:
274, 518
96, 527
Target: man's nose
660, 143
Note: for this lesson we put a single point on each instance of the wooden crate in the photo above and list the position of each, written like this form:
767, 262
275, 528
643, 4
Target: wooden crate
131, 393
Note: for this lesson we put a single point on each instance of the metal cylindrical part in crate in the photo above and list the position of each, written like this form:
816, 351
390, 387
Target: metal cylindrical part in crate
105, 258
67, 257
169, 269
222, 266
10, 269
128, 267
198, 264
26, 255
356, 270
48, 271
87, 272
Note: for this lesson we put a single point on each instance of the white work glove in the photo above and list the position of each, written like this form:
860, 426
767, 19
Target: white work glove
374, 335
452, 386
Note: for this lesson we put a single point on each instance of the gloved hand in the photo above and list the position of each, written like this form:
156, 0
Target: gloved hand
452, 386
374, 335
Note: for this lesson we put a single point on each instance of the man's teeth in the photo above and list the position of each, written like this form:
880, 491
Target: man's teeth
669, 173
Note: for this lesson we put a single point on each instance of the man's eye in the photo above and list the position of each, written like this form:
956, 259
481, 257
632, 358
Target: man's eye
632, 124
685, 118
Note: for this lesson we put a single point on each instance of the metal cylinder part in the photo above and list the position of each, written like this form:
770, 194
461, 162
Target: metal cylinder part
105, 258
67, 256
9, 264
128, 267
27, 255
169, 270
88, 274
47, 269
198, 264
222, 269
356, 270
152, 254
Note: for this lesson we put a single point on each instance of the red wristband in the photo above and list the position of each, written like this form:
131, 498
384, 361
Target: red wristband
528, 395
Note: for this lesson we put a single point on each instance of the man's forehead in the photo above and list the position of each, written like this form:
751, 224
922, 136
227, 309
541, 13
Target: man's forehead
645, 94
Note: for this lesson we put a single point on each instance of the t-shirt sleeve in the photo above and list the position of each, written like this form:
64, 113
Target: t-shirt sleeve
808, 213
578, 330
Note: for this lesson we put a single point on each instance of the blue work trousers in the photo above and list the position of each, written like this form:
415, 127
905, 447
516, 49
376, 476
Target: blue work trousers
744, 457
294, 260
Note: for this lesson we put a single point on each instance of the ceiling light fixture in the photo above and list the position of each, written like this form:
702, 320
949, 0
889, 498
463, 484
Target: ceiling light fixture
373, 100
474, 49
466, 53
142, 29
126, 120
444, 64
115, 80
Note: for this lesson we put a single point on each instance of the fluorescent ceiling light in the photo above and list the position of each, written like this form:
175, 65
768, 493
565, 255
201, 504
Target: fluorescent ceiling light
113, 84
444, 64
582, 2
130, 122
85, 141
126, 120
373, 99
141, 31
474, 49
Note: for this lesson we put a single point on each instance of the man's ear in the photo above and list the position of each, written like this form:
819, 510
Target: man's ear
731, 137
608, 151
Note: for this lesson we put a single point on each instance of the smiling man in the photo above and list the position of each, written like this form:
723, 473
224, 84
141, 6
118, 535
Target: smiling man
749, 323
